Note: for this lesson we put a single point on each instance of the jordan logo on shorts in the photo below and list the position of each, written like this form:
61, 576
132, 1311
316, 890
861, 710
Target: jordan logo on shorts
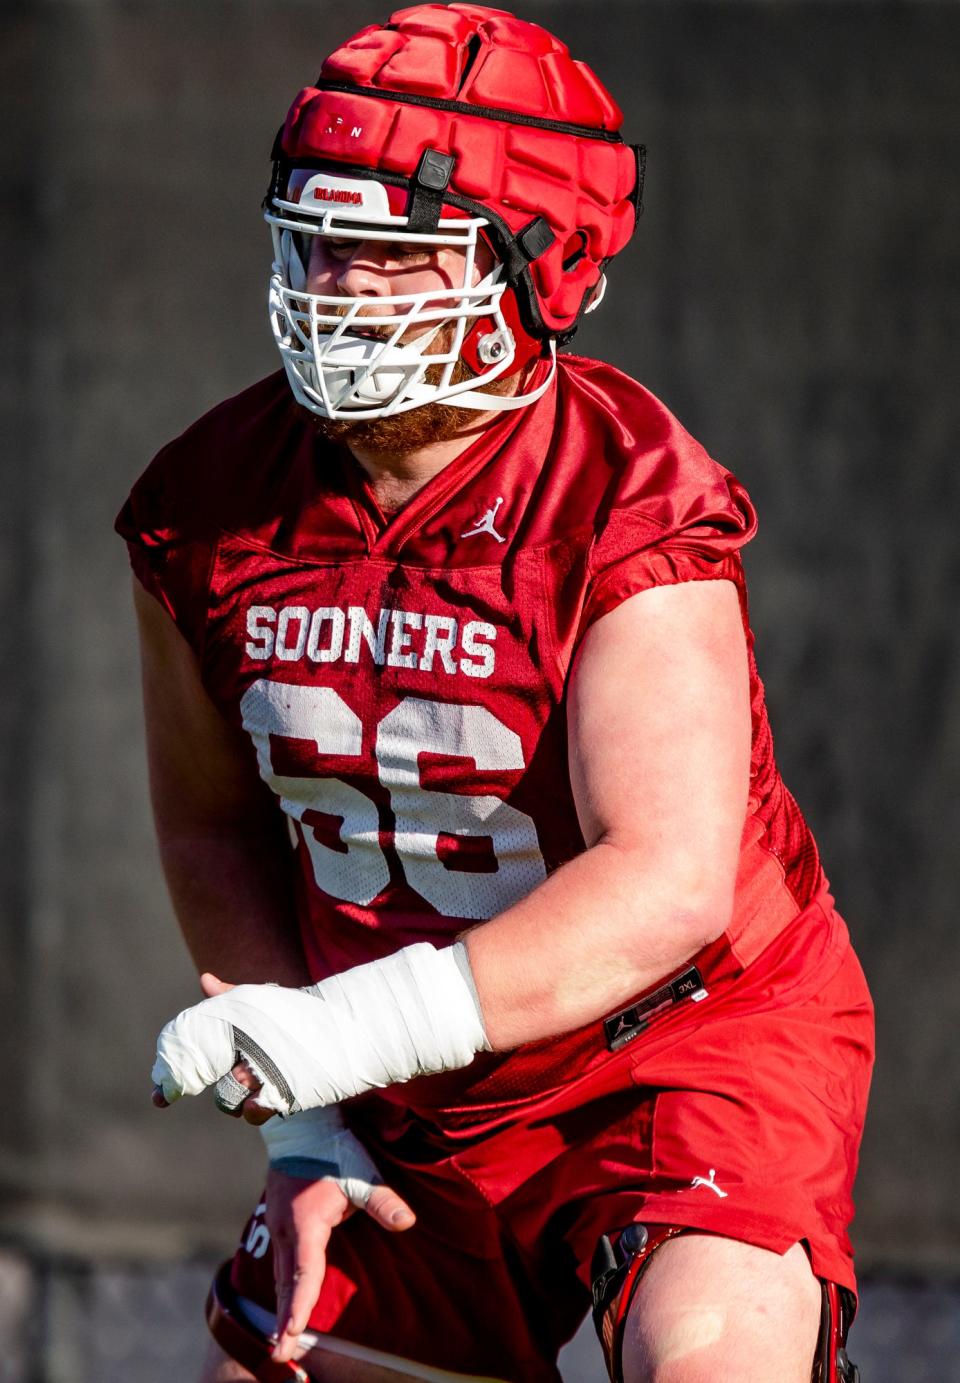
485, 525
709, 1181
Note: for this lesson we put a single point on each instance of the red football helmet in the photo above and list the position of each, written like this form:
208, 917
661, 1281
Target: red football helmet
447, 123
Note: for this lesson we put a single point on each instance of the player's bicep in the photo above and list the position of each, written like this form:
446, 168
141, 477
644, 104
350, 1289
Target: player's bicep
202, 769
659, 732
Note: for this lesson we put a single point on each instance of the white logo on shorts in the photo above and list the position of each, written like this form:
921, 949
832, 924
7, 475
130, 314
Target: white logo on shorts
485, 524
258, 1239
709, 1181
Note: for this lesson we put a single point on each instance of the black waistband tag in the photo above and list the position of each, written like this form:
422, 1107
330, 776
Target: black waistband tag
623, 1027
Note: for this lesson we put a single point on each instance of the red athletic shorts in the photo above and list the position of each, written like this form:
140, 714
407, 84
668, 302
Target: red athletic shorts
740, 1115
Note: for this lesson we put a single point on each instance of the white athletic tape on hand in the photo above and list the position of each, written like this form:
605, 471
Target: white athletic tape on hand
410, 1014
319, 1136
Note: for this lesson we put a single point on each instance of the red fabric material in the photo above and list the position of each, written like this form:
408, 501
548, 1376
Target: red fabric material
601, 494
581, 186
262, 541
760, 1090
511, 53
518, 180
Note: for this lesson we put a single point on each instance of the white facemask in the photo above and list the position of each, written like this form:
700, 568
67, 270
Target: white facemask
334, 369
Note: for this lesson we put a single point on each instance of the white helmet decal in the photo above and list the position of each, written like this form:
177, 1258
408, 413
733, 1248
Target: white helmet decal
349, 197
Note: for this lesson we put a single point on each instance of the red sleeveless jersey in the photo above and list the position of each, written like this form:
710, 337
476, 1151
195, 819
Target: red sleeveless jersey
402, 683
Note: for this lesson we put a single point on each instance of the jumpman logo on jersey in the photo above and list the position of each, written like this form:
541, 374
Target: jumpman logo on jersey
709, 1181
485, 525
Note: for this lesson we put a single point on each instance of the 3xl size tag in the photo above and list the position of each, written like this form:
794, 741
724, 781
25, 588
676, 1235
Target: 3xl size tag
629, 1023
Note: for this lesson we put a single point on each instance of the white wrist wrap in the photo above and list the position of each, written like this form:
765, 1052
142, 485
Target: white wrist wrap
411, 1014
317, 1145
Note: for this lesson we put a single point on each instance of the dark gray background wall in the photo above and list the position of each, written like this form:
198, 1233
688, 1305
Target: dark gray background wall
793, 295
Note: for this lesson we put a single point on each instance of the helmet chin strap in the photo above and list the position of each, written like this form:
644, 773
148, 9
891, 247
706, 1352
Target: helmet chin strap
493, 403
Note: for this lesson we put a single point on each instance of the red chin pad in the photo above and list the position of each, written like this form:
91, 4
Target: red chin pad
527, 348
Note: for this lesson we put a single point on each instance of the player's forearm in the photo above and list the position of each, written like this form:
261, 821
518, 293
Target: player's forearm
599, 931
231, 894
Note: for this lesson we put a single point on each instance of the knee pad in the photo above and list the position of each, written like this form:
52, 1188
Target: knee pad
619, 1262
831, 1363
240, 1339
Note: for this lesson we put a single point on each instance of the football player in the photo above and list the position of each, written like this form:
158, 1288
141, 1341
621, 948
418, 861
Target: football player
465, 787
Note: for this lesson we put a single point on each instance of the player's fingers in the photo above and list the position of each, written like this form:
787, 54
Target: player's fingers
213, 986
230, 1095
193, 1051
389, 1210
234, 1089
286, 1347
158, 1098
283, 1284
256, 1113
307, 1281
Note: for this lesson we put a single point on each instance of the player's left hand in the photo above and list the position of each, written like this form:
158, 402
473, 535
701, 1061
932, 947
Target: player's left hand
301, 1215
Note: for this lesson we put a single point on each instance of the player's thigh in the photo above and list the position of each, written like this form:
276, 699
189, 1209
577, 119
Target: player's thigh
714, 1310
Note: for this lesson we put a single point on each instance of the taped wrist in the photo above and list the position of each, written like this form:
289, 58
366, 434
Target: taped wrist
316, 1145
417, 1011
303, 1145
413, 1013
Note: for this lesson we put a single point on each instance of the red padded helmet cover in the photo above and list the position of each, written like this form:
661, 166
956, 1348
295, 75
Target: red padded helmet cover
482, 67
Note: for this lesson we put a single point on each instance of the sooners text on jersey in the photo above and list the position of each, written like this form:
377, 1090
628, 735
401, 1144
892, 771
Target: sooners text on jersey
401, 683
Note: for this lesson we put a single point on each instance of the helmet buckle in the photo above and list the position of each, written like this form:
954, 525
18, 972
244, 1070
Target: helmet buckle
494, 346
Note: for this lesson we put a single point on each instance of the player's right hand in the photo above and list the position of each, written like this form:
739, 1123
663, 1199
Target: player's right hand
301, 1215
412, 1013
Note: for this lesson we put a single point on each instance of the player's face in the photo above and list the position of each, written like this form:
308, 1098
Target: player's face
377, 269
